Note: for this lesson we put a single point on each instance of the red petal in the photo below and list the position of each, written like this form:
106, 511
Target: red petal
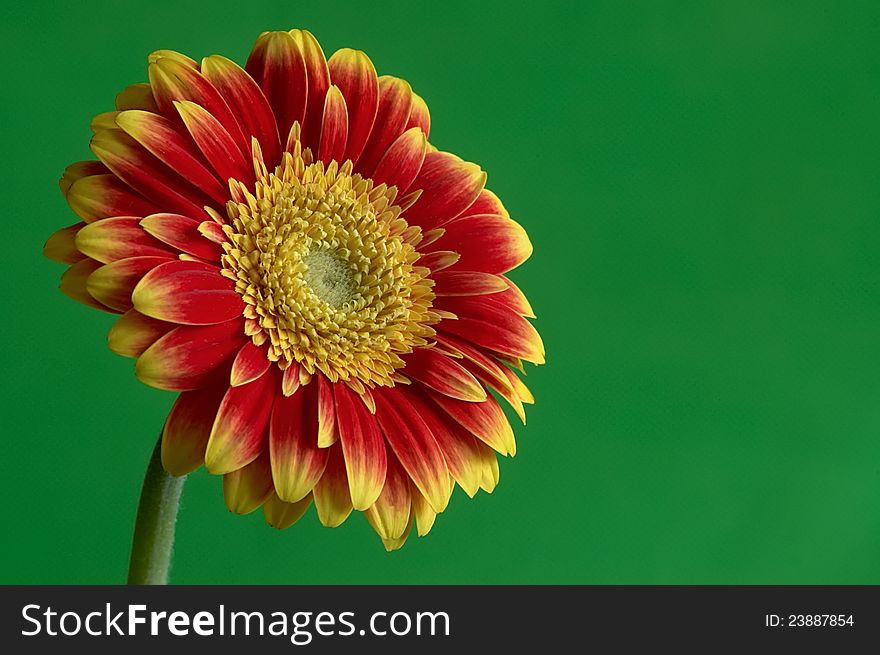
186, 357
297, 461
74, 281
327, 432
420, 116
414, 445
113, 283
318, 79
514, 299
247, 102
277, 65
449, 186
120, 237
136, 96
245, 489
402, 162
290, 380
99, 196
390, 514
443, 374
354, 74
215, 142
332, 498
467, 283
182, 233
147, 175
172, 80
189, 293
61, 246
486, 203
487, 242
133, 333
240, 431
166, 142
187, 429
459, 447
249, 364
77, 171
282, 515
334, 127
395, 104
492, 326
439, 260
485, 420
363, 447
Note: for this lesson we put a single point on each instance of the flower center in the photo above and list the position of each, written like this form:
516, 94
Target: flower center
329, 277
327, 269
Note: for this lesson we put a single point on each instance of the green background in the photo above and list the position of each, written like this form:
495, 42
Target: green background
700, 181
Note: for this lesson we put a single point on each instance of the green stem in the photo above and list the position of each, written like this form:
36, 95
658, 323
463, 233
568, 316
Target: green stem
153, 538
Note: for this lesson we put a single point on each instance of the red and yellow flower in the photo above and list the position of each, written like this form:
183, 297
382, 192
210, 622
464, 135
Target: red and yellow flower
324, 288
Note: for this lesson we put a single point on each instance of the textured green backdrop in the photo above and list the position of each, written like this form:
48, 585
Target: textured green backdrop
702, 186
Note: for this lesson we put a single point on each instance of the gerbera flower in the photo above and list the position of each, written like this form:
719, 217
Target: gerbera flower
324, 288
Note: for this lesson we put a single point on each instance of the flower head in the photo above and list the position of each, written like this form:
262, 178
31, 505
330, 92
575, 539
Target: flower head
324, 288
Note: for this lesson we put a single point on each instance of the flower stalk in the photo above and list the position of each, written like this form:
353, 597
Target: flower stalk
153, 539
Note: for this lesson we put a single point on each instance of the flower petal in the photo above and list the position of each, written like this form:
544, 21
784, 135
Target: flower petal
182, 233
395, 104
297, 461
363, 447
490, 468
327, 430
186, 357
98, 196
486, 203
419, 116
61, 246
514, 299
282, 515
215, 142
318, 80
120, 237
354, 74
144, 173
459, 447
492, 326
165, 141
402, 161
290, 381
249, 364
443, 374
439, 260
245, 489
188, 427
334, 127
278, 66
467, 283
133, 333
173, 80
423, 512
74, 283
137, 96
247, 102
112, 284
487, 242
77, 171
390, 514
485, 420
414, 445
332, 497
449, 186
188, 293
241, 429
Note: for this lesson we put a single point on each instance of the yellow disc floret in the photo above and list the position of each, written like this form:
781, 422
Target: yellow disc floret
326, 267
